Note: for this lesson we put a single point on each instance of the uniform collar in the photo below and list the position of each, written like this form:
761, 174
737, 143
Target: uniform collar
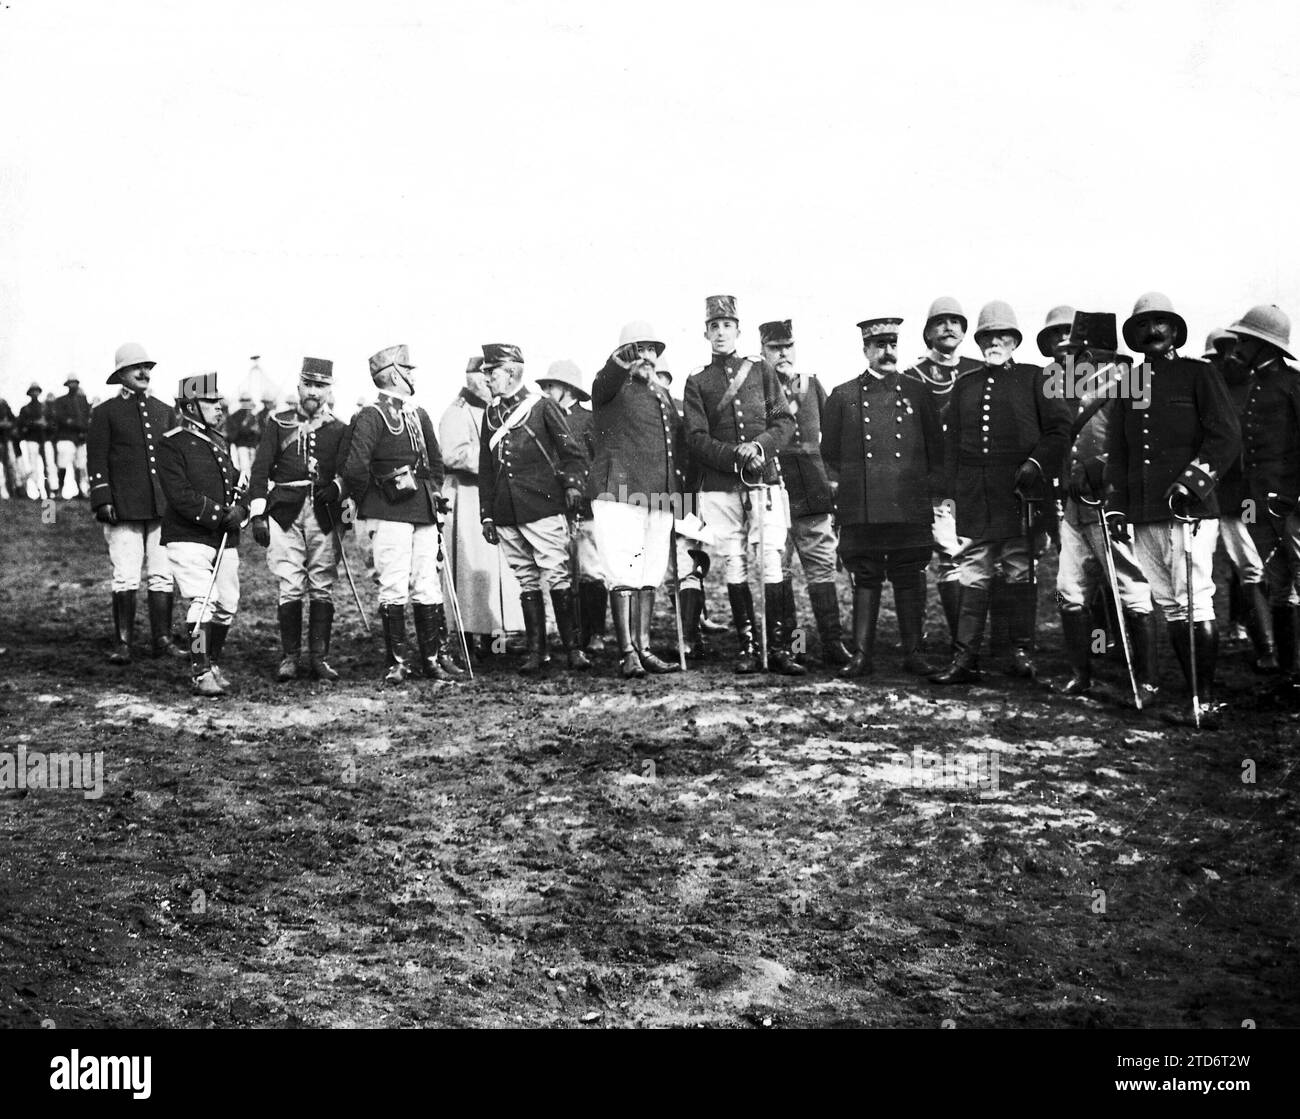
720, 360
949, 361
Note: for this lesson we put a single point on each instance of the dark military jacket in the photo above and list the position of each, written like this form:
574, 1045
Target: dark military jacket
755, 414
34, 423
1231, 490
581, 422
999, 417
244, 427
882, 441
72, 417
640, 441
1270, 436
383, 439
1185, 431
6, 420
126, 432
939, 379
523, 478
294, 464
806, 482
199, 482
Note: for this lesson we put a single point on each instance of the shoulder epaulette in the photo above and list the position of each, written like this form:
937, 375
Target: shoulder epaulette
174, 431
697, 370
753, 360
287, 418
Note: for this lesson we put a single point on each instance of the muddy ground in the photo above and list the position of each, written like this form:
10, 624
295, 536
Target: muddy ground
704, 850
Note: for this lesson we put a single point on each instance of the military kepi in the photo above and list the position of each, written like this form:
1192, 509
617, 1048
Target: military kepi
720, 307
198, 386
318, 370
879, 328
498, 353
390, 355
775, 333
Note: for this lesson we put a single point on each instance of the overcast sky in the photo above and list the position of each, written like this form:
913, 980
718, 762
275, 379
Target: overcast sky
324, 178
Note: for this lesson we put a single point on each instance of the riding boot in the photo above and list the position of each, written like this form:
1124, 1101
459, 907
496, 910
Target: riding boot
290, 614
160, 625
393, 617
534, 609
320, 621
594, 597
1076, 633
202, 679
642, 615
866, 611
620, 610
123, 627
1286, 636
428, 642
972, 614
692, 603
1001, 609
216, 642
825, 601
1206, 651
1142, 637
796, 641
909, 602
562, 603
1259, 624
779, 658
742, 613
447, 648
1022, 602
950, 599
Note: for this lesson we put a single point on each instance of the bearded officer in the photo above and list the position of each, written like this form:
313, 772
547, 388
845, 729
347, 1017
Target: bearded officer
394, 472
1166, 451
204, 507
295, 502
883, 442
808, 490
532, 471
737, 420
122, 444
637, 481
1005, 433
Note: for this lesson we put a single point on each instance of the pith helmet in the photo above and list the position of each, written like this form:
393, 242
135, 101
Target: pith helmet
1056, 317
1267, 322
566, 373
34, 388
128, 354
943, 307
1213, 339
998, 317
720, 307
639, 331
1153, 303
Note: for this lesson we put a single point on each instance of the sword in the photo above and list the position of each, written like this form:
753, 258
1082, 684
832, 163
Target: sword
347, 570
677, 595
1190, 525
449, 588
240, 487
1112, 578
762, 587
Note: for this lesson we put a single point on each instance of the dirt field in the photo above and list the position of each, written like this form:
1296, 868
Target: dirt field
704, 850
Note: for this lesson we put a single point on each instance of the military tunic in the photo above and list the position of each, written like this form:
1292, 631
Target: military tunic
199, 482
802, 468
1270, 430
757, 413
126, 432
297, 458
523, 478
383, 441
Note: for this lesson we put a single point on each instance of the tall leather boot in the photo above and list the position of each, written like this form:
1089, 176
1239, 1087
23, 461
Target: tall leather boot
692, 603
202, 679
123, 627
594, 597
742, 613
790, 623
216, 642
1076, 633
562, 603
779, 658
397, 655
825, 601
909, 602
972, 614
1259, 624
1206, 651
641, 634
1022, 600
950, 599
1286, 638
1001, 607
534, 609
290, 614
320, 622
1142, 637
428, 641
866, 611
620, 610
160, 625
447, 647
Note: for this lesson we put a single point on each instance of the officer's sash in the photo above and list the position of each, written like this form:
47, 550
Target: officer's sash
517, 416
733, 387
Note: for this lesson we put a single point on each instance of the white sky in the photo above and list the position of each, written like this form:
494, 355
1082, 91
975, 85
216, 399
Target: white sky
290, 178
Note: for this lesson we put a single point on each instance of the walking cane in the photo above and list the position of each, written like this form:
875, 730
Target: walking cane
240, 488
1112, 578
449, 590
347, 570
1190, 525
750, 487
677, 595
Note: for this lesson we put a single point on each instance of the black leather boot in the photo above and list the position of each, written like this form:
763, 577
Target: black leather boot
796, 641
1076, 633
216, 642
1022, 603
972, 614
123, 627
950, 599
1286, 638
562, 603
534, 608
742, 613
866, 611
1206, 650
393, 618
429, 643
692, 603
1259, 624
447, 648
290, 614
645, 615
320, 622
160, 625
594, 598
825, 601
1142, 637
1001, 607
203, 680
779, 658
909, 601
620, 610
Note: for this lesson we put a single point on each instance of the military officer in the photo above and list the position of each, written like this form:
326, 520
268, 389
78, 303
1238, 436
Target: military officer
394, 472
737, 420
563, 383
301, 457
532, 471
122, 444
1005, 435
71, 423
808, 490
1167, 448
34, 430
636, 481
205, 505
883, 444
244, 432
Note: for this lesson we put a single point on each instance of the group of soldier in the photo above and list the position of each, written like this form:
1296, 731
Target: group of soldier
43, 447
1135, 466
